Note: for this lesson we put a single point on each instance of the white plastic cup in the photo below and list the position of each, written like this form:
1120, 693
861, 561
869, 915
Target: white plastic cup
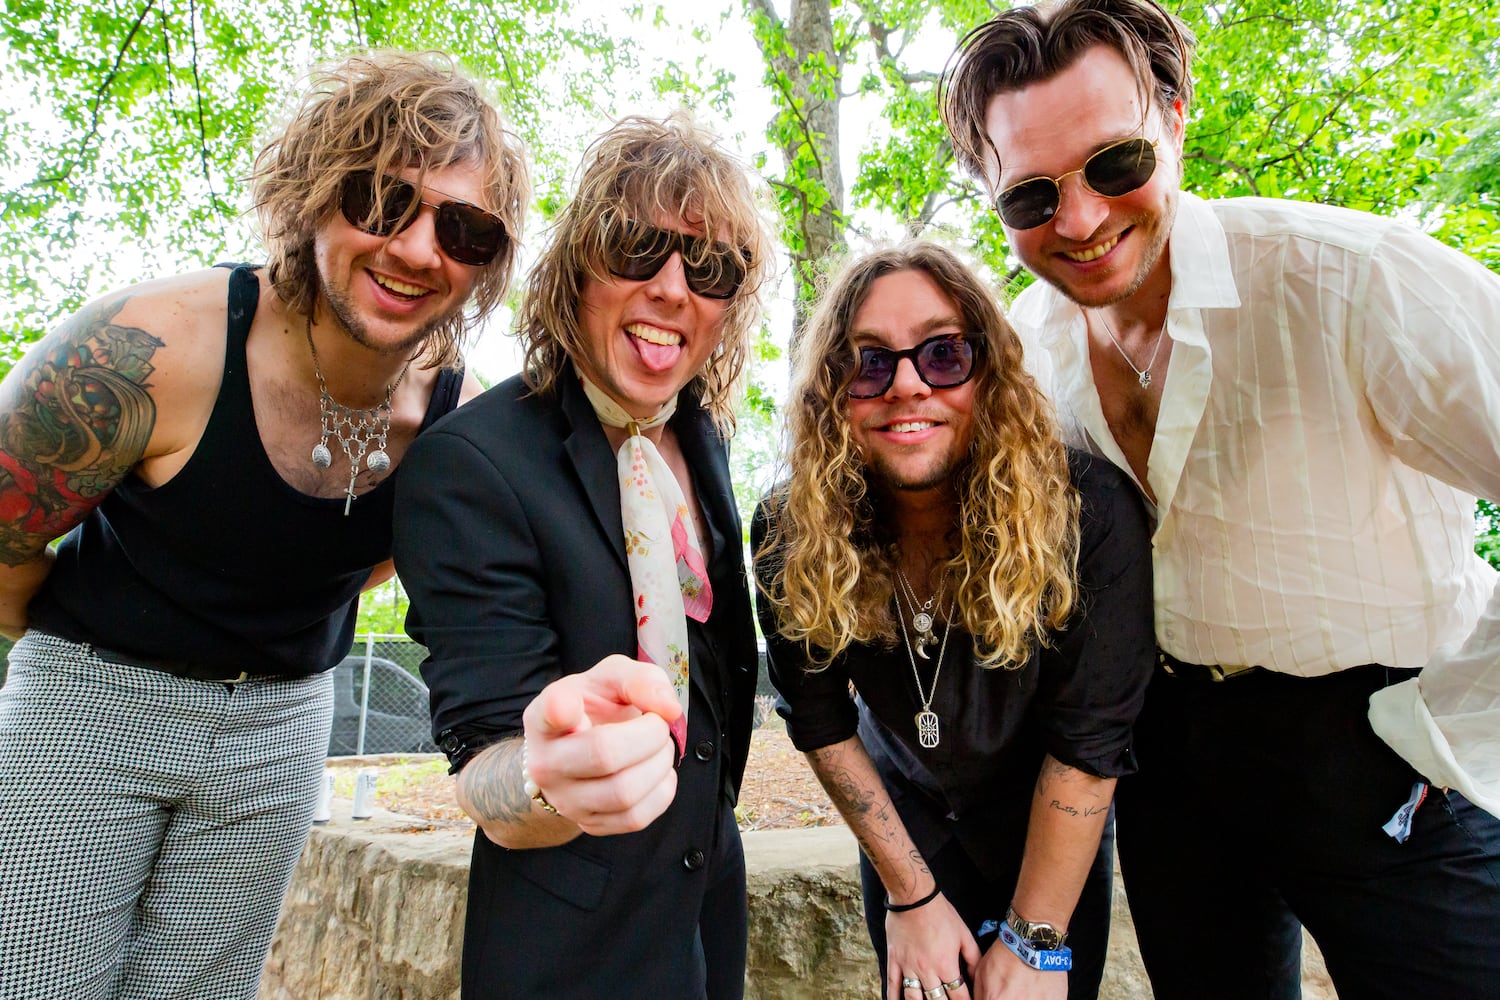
364, 794
323, 811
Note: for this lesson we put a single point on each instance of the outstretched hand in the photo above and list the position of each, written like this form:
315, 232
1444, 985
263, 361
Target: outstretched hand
599, 747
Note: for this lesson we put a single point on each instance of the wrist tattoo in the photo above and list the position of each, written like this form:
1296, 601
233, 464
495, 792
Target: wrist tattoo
492, 784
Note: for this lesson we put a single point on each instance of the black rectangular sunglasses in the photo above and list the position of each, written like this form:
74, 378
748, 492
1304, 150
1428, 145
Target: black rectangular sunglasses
713, 270
466, 232
1115, 170
943, 362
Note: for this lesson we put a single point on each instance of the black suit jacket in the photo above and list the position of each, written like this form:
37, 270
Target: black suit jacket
509, 543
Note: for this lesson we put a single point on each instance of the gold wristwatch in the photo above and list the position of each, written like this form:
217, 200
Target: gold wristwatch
1041, 936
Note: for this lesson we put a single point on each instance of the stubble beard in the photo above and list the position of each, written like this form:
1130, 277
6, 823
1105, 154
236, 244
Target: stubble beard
1153, 255
342, 307
940, 474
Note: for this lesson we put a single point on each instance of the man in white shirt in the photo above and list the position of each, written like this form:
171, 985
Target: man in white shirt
1310, 399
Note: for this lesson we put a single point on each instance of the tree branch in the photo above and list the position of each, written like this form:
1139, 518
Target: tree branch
807, 130
96, 111
198, 93
1239, 168
881, 35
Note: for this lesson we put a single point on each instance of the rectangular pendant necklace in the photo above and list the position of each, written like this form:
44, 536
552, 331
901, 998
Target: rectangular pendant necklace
927, 728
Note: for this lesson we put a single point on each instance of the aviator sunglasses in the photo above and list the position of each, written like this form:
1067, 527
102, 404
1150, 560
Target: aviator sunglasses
712, 270
943, 362
1115, 170
466, 232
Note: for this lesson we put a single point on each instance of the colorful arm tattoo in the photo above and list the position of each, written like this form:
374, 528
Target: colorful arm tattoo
75, 418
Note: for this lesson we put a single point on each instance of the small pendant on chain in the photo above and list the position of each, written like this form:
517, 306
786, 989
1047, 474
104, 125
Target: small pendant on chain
927, 728
1145, 379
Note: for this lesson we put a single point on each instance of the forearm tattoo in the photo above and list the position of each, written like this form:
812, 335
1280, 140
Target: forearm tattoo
1051, 781
870, 816
492, 784
74, 420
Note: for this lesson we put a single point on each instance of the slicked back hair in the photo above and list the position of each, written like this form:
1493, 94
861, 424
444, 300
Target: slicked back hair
387, 112
1027, 45
830, 557
644, 170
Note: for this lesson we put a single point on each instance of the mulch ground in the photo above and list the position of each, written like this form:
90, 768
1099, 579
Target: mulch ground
779, 791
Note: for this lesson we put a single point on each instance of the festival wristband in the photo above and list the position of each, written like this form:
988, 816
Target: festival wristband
903, 907
1057, 960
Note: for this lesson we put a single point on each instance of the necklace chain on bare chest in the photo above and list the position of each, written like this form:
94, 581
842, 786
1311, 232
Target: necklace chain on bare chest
928, 730
354, 429
1142, 375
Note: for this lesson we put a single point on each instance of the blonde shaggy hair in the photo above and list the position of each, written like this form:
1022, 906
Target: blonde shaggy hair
387, 112
829, 559
643, 170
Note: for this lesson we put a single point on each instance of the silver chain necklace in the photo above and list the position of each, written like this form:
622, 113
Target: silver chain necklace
355, 430
928, 733
921, 617
1142, 375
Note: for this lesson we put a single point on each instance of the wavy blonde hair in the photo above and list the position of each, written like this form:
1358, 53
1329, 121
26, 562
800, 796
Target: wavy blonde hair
829, 559
388, 112
644, 169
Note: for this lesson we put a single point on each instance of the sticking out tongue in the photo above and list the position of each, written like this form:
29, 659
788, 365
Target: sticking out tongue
657, 357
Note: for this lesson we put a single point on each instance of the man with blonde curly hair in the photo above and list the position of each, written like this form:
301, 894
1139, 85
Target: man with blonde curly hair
986, 595
592, 657
220, 451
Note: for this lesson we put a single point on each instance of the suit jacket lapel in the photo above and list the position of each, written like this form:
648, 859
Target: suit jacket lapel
595, 465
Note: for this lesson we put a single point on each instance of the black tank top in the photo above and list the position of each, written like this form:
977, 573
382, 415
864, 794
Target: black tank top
225, 563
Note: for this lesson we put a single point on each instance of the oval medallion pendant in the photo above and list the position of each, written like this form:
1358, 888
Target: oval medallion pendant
321, 456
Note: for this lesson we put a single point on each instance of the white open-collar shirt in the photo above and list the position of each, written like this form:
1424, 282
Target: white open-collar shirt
1331, 408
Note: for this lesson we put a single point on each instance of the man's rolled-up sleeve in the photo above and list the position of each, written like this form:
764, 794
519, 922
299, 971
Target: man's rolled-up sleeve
1093, 679
816, 704
471, 566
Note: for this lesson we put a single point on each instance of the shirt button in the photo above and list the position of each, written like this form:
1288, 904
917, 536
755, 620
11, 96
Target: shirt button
692, 859
704, 750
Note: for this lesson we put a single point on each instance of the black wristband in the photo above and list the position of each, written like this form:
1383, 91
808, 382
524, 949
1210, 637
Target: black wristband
903, 907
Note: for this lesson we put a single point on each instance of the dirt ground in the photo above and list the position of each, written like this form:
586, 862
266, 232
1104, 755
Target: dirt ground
779, 791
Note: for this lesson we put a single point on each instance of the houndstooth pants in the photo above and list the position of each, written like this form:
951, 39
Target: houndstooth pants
149, 824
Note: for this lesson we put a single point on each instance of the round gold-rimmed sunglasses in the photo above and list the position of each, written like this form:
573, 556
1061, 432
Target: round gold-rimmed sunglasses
1113, 171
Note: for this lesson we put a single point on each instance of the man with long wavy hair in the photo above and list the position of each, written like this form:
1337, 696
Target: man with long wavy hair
220, 450
592, 652
1309, 399
986, 595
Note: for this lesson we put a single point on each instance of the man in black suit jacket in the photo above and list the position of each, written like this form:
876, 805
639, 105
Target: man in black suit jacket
607, 862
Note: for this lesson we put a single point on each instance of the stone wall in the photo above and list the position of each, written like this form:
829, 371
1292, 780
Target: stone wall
376, 912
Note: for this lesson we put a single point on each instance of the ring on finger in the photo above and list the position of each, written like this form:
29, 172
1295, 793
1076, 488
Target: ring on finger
954, 984
911, 983
936, 993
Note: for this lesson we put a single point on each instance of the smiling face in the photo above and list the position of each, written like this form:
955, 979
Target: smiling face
389, 293
913, 438
1096, 250
643, 341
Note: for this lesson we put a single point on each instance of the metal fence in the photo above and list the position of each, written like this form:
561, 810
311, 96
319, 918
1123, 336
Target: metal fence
379, 701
